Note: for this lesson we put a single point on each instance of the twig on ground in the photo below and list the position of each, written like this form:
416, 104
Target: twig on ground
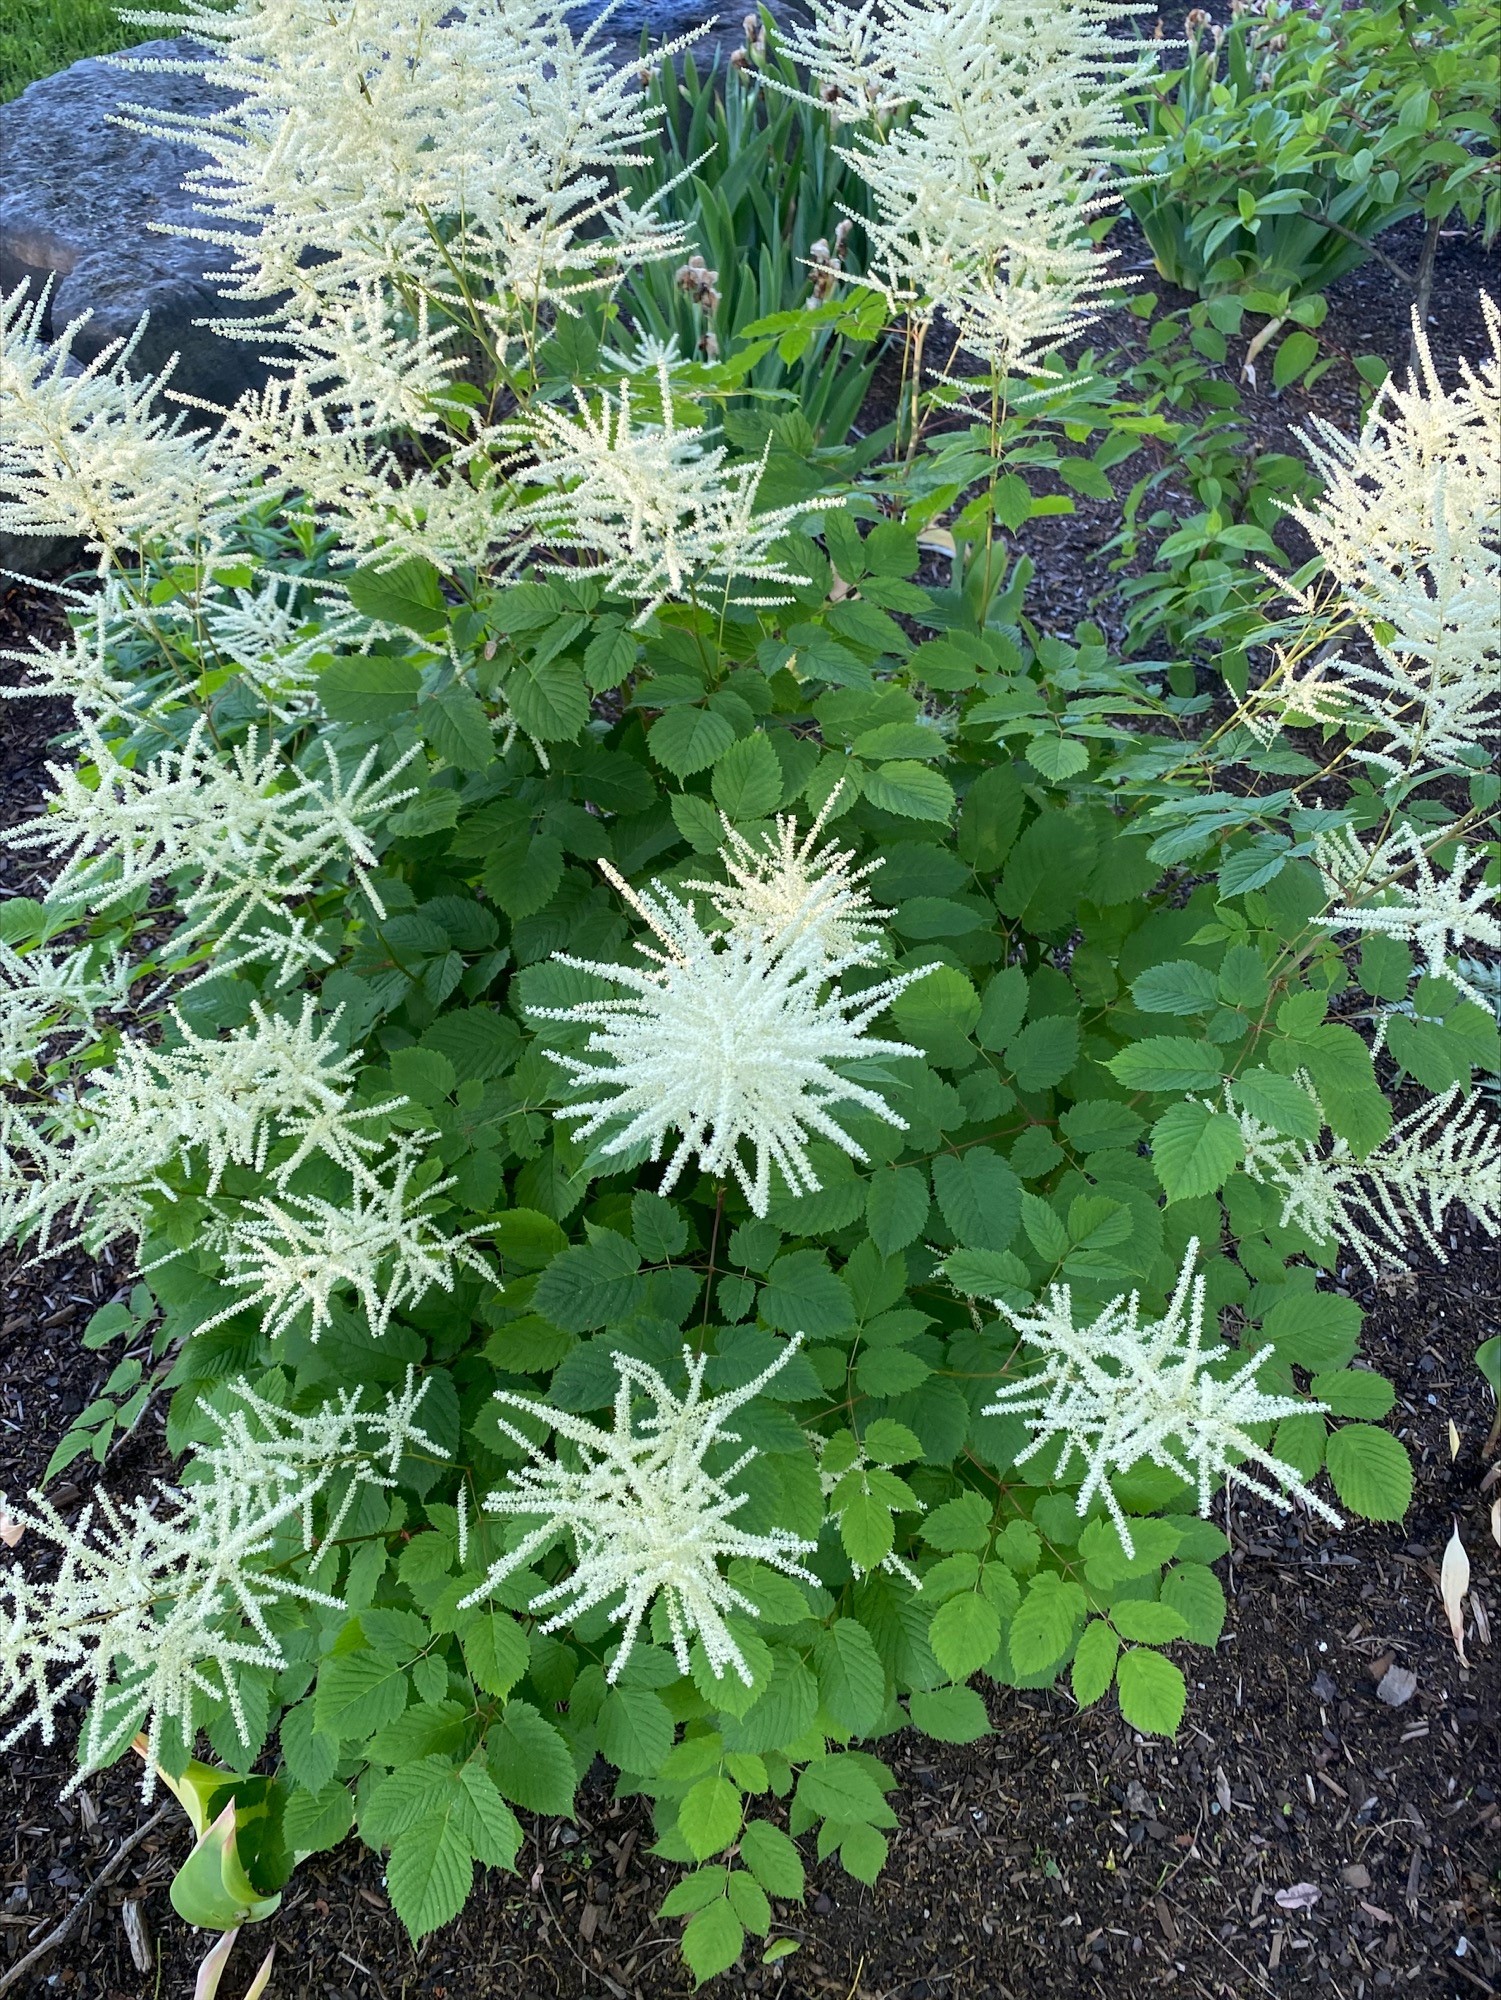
63, 1931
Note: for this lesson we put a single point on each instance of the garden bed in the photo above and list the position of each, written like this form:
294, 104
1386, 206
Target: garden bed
1302, 1833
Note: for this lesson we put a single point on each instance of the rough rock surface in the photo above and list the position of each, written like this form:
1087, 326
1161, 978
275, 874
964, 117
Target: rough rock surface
81, 194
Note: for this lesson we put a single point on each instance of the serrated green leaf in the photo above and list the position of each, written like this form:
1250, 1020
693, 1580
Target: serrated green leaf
1151, 1691
1179, 987
747, 782
949, 1714
529, 1761
1166, 1062
312, 1822
1371, 1472
851, 1678
896, 1207
913, 790
709, 1816
842, 1788
713, 1940
429, 1874
964, 1633
962, 1523
1043, 1628
408, 593
635, 1729
685, 740
1044, 1052
1094, 1662
1195, 1593
1146, 1618
773, 1859
979, 1196
1195, 1150
357, 1694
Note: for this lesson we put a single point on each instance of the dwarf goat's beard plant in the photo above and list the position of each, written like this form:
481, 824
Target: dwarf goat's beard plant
718, 1141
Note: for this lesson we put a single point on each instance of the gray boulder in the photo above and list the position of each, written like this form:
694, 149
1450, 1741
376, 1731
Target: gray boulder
78, 194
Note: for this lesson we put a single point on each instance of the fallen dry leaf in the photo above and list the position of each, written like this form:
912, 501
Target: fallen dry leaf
11, 1531
1496, 1520
1301, 1896
1453, 1439
1453, 1583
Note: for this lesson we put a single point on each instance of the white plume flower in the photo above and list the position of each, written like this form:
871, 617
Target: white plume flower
1441, 1155
460, 154
45, 994
730, 1040
89, 451
291, 1256
1439, 915
220, 1102
645, 1515
781, 887
154, 1608
1118, 1393
989, 124
654, 506
1409, 527
249, 832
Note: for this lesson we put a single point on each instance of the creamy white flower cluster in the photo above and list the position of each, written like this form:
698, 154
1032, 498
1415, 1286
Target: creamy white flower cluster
1409, 527
653, 506
89, 451
1446, 1154
156, 1606
217, 1102
246, 832
1120, 1392
732, 1035
46, 996
646, 1517
1439, 915
986, 125
384, 150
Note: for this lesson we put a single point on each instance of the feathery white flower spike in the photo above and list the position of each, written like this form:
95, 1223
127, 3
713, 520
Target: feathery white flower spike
1440, 915
983, 192
645, 1515
153, 1608
1433, 1158
291, 1256
781, 886
1117, 1392
656, 507
1409, 526
730, 1041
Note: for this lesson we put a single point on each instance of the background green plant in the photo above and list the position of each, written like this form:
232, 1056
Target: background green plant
38, 37
1281, 150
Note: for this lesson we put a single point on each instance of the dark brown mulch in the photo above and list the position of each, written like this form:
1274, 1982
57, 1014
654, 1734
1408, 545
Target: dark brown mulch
1063, 1855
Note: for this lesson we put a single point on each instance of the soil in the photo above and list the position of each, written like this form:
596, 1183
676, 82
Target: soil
1305, 1833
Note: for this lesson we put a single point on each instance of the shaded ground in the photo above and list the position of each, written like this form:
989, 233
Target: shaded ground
1064, 1855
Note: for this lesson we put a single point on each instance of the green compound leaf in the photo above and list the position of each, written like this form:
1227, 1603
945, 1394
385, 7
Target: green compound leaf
1094, 1662
709, 1816
1194, 1150
964, 1634
1371, 1472
949, 1714
1151, 1691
